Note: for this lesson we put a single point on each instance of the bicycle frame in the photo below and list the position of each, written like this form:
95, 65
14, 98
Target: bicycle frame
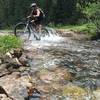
31, 26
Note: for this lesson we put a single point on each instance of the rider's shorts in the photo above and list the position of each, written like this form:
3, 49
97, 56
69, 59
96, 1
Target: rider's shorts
38, 20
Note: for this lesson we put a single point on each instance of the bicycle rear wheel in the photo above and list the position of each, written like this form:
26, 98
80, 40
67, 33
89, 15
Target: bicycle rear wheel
22, 30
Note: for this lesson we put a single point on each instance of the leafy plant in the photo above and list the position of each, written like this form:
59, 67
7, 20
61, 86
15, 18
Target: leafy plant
8, 42
95, 18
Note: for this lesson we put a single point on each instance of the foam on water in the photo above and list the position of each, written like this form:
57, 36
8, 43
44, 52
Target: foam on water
52, 39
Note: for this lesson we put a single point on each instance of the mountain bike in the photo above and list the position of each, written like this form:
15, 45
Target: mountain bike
27, 27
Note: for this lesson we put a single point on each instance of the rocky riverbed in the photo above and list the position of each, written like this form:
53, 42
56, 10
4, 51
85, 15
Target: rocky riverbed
65, 66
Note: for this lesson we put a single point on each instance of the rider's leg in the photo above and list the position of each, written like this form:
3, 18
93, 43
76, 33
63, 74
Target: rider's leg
38, 28
38, 31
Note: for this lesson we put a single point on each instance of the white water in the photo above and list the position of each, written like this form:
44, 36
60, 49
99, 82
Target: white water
49, 40
52, 38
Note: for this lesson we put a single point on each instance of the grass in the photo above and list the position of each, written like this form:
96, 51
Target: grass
88, 28
9, 42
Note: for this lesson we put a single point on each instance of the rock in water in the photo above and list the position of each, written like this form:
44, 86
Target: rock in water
17, 53
34, 94
2, 91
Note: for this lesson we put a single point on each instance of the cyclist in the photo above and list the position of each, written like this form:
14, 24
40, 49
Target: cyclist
37, 16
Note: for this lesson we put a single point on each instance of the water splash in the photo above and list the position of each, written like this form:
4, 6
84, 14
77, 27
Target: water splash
51, 39
52, 36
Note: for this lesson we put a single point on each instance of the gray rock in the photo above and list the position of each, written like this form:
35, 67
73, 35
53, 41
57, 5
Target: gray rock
3, 70
0, 61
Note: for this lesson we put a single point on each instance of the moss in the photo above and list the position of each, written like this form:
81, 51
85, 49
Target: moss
73, 91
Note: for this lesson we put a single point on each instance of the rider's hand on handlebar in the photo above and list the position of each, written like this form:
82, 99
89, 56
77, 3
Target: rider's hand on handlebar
32, 21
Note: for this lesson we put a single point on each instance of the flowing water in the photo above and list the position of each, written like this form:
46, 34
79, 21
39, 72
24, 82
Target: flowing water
62, 66
62, 62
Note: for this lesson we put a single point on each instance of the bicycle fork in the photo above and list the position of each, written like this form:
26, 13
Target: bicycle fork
26, 27
37, 36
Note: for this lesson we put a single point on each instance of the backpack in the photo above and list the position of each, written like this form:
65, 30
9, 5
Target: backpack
42, 13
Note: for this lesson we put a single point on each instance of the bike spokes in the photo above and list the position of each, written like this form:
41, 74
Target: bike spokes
22, 31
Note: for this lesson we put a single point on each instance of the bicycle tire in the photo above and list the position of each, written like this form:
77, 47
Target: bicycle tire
44, 32
22, 31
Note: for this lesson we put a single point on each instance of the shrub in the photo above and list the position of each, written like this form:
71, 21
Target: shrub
9, 42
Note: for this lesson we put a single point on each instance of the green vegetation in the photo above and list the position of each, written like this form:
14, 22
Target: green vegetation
89, 28
78, 14
9, 42
57, 11
91, 9
89, 25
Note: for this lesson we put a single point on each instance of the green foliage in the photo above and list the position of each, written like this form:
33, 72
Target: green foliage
8, 42
91, 9
93, 15
88, 28
57, 11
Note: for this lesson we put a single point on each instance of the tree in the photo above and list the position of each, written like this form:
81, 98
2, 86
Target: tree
57, 11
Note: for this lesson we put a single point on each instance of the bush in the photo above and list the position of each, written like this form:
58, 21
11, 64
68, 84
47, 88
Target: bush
96, 20
93, 14
9, 42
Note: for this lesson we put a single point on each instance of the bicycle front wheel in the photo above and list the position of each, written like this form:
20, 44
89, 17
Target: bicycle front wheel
22, 30
44, 32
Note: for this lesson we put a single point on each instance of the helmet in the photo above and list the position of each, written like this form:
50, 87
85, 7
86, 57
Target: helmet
33, 5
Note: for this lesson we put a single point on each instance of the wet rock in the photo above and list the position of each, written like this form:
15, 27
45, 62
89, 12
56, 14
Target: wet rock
63, 74
22, 69
3, 70
23, 60
74, 92
14, 53
6, 59
2, 91
12, 57
51, 64
56, 86
98, 83
45, 75
15, 87
8, 54
0, 61
82, 74
15, 61
90, 85
33, 93
17, 52
53, 76
10, 61
97, 94
45, 88
4, 97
